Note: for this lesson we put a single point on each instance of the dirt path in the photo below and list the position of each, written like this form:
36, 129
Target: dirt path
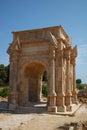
39, 121
53, 122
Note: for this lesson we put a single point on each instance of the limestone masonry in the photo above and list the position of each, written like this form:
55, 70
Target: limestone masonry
31, 53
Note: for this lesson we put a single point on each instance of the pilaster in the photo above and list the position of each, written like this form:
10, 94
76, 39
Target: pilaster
60, 102
74, 91
39, 87
52, 94
13, 95
68, 94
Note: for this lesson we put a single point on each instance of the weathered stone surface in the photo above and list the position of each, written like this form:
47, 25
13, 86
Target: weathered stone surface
31, 53
82, 95
75, 126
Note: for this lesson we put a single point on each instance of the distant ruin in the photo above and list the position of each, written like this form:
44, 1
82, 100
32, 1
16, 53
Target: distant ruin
31, 53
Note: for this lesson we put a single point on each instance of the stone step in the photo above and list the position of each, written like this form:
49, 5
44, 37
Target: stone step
31, 110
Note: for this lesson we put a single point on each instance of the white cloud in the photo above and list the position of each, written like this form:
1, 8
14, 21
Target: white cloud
82, 49
82, 54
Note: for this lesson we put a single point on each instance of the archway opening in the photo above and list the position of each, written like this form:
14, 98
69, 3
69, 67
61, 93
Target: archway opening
36, 76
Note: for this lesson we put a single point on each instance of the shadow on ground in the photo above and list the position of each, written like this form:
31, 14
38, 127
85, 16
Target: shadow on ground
38, 108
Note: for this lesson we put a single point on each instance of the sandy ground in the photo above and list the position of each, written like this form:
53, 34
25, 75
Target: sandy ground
35, 120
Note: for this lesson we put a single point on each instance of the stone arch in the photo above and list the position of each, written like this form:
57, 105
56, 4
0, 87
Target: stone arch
42, 62
34, 51
31, 77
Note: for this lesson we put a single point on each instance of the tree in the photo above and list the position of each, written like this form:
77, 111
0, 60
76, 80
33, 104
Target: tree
45, 76
79, 84
1, 82
44, 90
78, 81
7, 71
4, 74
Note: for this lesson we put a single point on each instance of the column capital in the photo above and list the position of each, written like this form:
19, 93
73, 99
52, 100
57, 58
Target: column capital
66, 53
52, 54
73, 60
15, 57
59, 53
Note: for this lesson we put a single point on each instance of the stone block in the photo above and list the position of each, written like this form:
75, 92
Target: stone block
61, 108
52, 109
12, 106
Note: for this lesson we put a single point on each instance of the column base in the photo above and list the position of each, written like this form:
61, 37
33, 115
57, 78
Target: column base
68, 100
73, 107
13, 106
75, 101
13, 100
61, 108
60, 102
52, 103
52, 109
69, 108
74, 97
52, 99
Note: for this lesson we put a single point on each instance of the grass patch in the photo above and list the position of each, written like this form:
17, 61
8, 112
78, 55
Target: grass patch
4, 91
44, 90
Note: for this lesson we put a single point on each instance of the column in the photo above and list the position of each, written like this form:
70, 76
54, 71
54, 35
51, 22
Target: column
15, 75
10, 79
74, 92
11, 75
39, 87
60, 83
13, 104
68, 87
52, 95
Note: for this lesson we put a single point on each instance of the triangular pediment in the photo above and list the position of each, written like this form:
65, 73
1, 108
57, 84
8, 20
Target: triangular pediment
75, 51
53, 41
14, 46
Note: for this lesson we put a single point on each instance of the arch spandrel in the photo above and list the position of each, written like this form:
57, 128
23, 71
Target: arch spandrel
27, 63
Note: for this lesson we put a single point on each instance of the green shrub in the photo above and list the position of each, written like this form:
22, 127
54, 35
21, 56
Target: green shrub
4, 92
45, 76
80, 86
1, 82
44, 90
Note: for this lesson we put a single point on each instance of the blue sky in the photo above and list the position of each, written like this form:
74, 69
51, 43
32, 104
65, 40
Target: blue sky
16, 15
